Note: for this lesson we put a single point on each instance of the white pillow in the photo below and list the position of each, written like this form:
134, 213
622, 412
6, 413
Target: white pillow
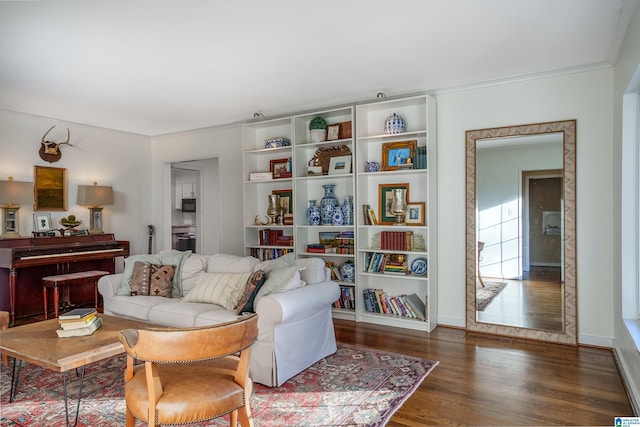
192, 267
287, 260
223, 289
225, 263
277, 279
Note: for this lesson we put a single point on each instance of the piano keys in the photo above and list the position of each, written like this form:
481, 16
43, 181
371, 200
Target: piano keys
25, 261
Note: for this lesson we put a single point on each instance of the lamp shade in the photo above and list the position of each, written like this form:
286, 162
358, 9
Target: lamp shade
95, 195
16, 192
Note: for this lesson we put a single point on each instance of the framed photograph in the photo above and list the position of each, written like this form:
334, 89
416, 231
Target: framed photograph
415, 213
340, 165
41, 221
333, 132
314, 170
328, 237
279, 168
49, 188
385, 198
399, 154
286, 199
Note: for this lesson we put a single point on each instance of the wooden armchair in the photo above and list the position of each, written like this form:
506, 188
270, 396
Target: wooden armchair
189, 375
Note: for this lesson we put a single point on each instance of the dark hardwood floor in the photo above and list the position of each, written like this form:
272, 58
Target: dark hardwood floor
486, 380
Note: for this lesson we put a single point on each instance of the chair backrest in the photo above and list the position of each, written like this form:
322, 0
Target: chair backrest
171, 345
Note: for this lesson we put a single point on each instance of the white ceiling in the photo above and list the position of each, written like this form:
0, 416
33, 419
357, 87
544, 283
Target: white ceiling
157, 66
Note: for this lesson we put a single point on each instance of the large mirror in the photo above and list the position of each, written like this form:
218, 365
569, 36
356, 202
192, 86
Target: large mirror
521, 216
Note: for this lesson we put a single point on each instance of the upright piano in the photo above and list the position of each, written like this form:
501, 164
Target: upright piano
25, 261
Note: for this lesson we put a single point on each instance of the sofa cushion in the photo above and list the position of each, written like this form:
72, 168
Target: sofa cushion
278, 279
254, 283
224, 289
177, 258
225, 263
140, 278
192, 267
161, 280
127, 274
287, 260
180, 314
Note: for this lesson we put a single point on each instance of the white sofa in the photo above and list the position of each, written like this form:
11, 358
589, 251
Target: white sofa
295, 326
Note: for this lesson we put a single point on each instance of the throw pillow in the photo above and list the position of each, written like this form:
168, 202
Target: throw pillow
223, 289
161, 280
255, 282
177, 258
127, 274
227, 263
140, 278
287, 260
277, 279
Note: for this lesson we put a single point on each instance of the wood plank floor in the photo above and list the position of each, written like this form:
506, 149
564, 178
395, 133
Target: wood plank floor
487, 380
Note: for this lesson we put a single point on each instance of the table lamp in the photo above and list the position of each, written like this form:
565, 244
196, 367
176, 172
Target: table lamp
12, 194
95, 196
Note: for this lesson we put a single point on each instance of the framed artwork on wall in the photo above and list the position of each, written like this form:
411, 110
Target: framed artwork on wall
50, 189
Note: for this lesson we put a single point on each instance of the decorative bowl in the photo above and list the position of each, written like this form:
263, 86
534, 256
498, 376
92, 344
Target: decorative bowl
276, 142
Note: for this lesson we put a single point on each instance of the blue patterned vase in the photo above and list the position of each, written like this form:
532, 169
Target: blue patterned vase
372, 167
338, 217
395, 124
313, 213
348, 271
347, 210
327, 205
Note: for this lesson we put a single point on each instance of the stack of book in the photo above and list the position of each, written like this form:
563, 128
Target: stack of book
79, 322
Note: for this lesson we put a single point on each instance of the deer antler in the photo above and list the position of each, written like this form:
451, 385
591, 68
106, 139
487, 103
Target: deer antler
60, 143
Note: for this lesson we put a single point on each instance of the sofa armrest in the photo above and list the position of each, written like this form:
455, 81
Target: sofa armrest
296, 304
108, 285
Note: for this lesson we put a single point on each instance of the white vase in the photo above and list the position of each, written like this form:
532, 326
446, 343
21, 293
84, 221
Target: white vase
318, 135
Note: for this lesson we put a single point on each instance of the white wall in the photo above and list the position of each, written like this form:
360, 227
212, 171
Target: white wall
627, 65
586, 97
109, 157
223, 143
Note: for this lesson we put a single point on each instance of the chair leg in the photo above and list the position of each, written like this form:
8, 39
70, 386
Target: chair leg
130, 420
245, 416
233, 419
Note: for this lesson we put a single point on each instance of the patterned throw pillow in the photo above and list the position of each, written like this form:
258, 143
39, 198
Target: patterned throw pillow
161, 280
140, 278
152, 279
255, 282
223, 289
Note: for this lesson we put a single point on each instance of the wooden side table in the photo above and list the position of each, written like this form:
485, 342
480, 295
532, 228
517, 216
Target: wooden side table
4, 324
82, 278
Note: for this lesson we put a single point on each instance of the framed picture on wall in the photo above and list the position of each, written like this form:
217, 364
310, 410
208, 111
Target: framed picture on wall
50, 189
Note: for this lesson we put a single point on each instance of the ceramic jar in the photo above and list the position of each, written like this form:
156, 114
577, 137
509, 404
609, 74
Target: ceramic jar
338, 217
313, 213
327, 204
348, 271
395, 124
372, 167
347, 210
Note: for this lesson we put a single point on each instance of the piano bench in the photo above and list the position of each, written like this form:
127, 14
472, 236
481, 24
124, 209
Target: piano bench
81, 278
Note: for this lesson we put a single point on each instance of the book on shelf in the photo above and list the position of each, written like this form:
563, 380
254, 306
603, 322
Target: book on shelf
321, 249
77, 313
396, 240
80, 332
409, 306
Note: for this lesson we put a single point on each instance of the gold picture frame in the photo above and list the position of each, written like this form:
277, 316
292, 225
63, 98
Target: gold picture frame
49, 189
395, 154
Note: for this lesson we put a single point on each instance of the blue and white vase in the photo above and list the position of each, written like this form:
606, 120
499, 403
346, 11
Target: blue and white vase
395, 124
313, 213
348, 271
328, 204
347, 210
338, 217
372, 167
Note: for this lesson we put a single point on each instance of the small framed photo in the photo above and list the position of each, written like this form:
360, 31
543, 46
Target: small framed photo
279, 168
398, 155
340, 165
42, 221
385, 199
328, 237
333, 132
314, 170
415, 213
286, 200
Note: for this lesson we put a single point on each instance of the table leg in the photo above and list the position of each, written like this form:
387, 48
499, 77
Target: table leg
56, 299
44, 296
15, 376
66, 403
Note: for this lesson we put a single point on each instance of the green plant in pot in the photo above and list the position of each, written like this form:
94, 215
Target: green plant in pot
318, 128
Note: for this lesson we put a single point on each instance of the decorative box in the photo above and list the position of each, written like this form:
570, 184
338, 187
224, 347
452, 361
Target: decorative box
276, 142
260, 176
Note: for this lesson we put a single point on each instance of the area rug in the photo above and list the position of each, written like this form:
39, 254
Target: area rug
484, 296
356, 386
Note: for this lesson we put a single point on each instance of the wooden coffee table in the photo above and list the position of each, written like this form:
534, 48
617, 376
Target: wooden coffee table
39, 344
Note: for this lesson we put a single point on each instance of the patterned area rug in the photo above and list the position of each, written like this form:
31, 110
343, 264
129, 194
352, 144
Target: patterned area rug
356, 386
485, 295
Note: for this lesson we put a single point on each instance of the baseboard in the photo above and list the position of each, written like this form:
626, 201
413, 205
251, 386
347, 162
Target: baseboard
452, 321
595, 341
632, 393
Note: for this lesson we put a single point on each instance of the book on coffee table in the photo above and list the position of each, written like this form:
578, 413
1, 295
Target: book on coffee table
77, 313
80, 332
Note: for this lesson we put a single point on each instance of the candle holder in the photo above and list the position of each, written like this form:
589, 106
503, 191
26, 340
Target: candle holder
399, 205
